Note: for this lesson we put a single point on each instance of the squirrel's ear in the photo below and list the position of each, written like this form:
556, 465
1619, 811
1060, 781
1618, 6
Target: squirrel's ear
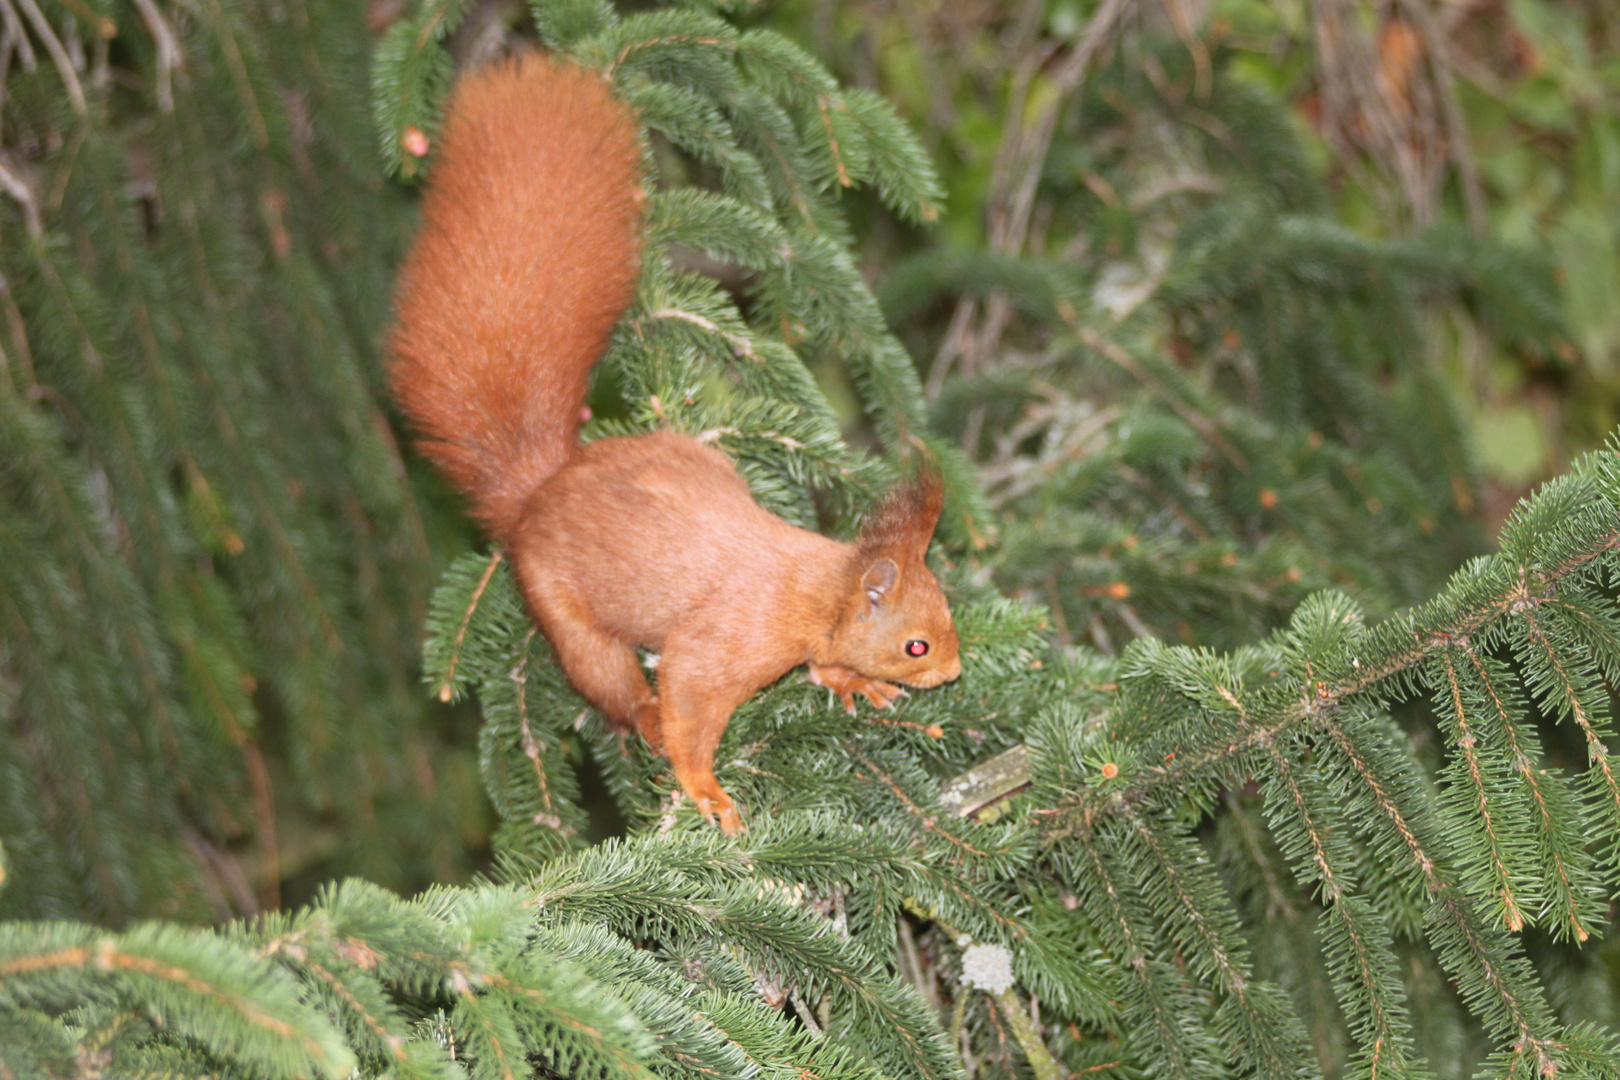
906, 519
879, 581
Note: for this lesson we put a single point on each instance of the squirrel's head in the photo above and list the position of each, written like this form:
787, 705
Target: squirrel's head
897, 624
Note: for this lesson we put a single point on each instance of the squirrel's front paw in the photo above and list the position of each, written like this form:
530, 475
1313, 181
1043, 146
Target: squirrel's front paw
846, 684
881, 694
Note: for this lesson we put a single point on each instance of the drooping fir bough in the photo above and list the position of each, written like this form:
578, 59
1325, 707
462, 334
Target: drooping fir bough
212, 568
1220, 863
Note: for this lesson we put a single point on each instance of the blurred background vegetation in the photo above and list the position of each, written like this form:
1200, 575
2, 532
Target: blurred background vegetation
1228, 301
1331, 229
1492, 117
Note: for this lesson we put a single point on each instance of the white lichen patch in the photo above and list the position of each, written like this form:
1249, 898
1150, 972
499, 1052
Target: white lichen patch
987, 967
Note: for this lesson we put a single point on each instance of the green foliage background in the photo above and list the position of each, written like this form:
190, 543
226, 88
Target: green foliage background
215, 564
1534, 84
1305, 780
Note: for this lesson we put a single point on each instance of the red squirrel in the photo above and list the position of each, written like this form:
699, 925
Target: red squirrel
527, 256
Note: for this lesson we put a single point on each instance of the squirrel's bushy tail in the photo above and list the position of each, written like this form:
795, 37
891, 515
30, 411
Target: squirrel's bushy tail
526, 257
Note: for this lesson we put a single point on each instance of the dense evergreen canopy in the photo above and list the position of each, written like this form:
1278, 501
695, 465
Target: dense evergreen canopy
1263, 762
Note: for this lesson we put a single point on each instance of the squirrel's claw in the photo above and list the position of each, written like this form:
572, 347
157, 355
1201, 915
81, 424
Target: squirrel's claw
729, 820
846, 684
881, 694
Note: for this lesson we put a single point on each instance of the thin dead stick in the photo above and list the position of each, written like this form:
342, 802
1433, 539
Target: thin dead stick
1451, 112
1017, 173
59, 55
23, 195
15, 38
1195, 419
1038, 140
169, 56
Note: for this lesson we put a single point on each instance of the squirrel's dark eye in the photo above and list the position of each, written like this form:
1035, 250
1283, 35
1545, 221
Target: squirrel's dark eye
916, 648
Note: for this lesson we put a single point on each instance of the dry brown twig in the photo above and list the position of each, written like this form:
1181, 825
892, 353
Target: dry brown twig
1391, 99
1019, 163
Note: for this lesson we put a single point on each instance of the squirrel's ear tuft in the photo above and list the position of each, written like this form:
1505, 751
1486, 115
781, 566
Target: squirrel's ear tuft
905, 520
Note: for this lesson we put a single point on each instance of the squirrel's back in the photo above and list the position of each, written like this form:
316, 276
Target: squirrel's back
527, 256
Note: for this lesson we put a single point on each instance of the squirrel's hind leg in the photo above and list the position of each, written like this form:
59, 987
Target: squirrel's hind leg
601, 667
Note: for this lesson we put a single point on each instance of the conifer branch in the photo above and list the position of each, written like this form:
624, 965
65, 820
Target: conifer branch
1466, 622
1506, 988
1551, 833
1028, 1037
612, 887
170, 57
1232, 973
1179, 1059
739, 344
386, 1036
24, 196
239, 74
488, 1028
1378, 1005
531, 748
1041, 1062
1468, 745
1597, 752
1199, 919
443, 693
925, 820
1385, 800
832, 143
200, 990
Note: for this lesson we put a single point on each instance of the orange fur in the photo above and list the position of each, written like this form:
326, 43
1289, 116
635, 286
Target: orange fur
525, 259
